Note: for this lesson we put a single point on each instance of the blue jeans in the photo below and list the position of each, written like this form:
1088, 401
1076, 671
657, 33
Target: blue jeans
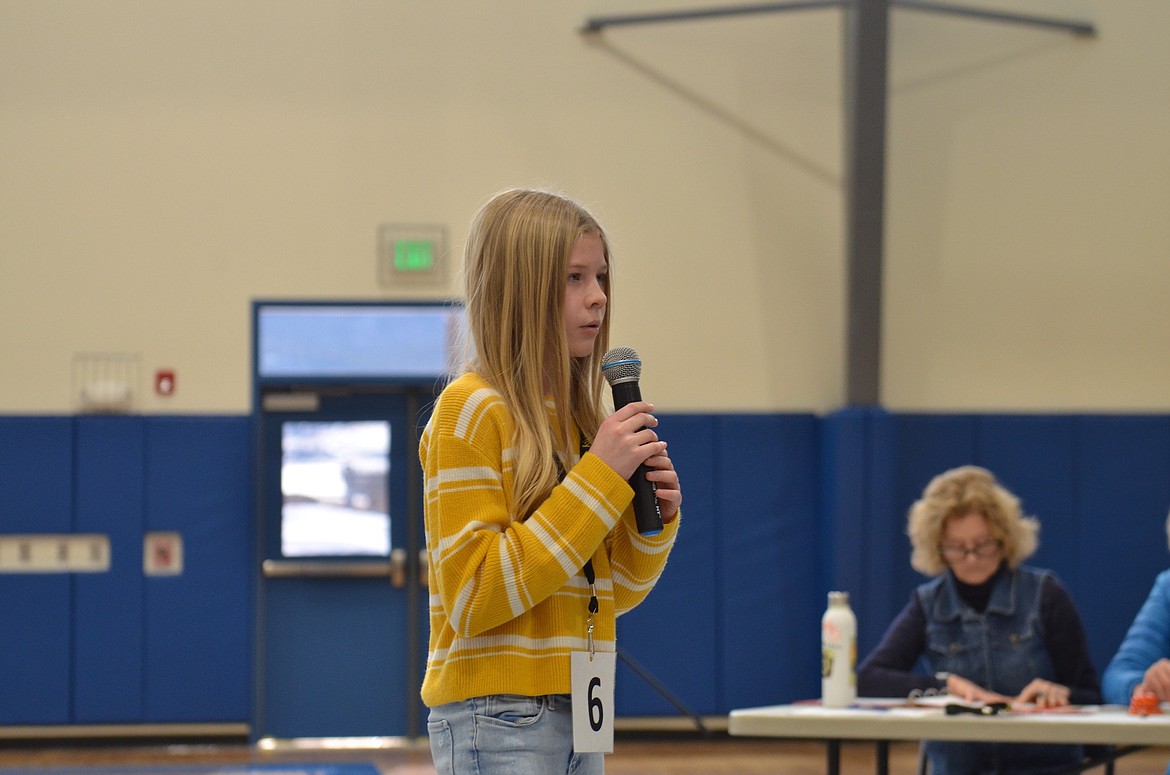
508, 734
1001, 758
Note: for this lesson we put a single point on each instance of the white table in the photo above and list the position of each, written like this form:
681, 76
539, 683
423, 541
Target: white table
884, 720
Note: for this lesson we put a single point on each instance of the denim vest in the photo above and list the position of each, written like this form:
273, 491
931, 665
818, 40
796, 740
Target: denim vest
1001, 649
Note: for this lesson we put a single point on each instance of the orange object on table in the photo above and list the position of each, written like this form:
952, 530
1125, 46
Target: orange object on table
1144, 703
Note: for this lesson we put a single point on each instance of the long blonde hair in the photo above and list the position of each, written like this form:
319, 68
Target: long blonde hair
515, 268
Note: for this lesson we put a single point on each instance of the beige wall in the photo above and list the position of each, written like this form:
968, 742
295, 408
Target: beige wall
164, 163
1029, 212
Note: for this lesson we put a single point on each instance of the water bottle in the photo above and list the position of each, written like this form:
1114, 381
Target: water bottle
838, 653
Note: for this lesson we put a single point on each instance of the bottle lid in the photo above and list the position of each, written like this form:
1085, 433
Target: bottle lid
838, 598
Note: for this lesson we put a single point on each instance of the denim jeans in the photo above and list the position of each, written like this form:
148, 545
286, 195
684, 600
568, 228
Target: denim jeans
508, 734
1001, 758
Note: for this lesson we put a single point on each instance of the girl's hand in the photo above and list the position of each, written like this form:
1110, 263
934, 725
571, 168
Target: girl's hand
626, 439
1044, 694
664, 476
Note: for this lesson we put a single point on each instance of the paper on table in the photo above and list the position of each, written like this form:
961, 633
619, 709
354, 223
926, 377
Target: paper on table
943, 700
975, 706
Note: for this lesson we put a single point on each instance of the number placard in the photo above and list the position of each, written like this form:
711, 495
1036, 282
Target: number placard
593, 701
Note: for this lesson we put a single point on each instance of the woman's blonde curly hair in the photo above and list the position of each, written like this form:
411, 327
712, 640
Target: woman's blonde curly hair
955, 493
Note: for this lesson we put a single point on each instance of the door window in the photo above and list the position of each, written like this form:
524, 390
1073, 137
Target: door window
335, 484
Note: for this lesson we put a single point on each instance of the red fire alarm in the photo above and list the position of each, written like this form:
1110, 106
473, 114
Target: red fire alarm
164, 382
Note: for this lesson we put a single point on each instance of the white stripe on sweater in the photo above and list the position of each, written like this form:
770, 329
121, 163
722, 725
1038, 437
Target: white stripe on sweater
462, 474
623, 580
467, 533
460, 614
553, 544
588, 497
510, 578
501, 644
604, 589
466, 424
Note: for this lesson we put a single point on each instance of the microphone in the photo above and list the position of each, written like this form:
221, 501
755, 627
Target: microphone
622, 367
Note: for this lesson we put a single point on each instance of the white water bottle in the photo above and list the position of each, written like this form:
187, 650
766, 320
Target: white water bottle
838, 653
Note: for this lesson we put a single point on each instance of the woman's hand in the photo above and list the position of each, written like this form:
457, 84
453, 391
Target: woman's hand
1044, 694
626, 439
1157, 679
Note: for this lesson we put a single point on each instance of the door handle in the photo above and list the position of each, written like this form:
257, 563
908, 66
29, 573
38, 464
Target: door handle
394, 568
423, 565
398, 568
288, 569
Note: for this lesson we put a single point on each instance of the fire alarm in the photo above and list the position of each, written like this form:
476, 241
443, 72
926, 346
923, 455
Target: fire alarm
164, 382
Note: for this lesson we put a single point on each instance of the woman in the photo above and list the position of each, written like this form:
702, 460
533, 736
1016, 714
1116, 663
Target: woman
987, 628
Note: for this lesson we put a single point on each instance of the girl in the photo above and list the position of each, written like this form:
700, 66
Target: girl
526, 494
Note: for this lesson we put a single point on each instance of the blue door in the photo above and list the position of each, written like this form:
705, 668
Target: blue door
341, 590
342, 391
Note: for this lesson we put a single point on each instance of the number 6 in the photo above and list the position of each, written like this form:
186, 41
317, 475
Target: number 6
595, 703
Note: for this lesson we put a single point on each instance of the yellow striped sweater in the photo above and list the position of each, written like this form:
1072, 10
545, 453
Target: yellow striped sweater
508, 600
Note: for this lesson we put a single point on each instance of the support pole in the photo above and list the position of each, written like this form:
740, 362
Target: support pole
866, 36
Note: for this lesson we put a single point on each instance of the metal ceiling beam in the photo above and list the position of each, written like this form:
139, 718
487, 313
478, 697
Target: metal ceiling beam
866, 66
599, 23
1068, 25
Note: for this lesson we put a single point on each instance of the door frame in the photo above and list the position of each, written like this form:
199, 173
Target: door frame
295, 391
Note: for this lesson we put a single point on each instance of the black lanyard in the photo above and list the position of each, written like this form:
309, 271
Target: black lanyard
590, 576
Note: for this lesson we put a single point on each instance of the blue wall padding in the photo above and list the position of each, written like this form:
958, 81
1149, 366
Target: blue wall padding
36, 496
109, 638
845, 491
857, 472
675, 634
1035, 458
768, 489
199, 482
36, 474
1123, 481
778, 510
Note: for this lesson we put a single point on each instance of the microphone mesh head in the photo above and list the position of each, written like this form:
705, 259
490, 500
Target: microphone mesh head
621, 364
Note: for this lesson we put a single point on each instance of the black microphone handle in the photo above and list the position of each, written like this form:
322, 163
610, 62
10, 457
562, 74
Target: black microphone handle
647, 515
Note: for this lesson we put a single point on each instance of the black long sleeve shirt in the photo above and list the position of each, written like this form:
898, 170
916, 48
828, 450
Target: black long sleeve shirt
888, 671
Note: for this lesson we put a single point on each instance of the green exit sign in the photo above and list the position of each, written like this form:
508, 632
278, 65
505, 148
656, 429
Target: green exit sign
414, 256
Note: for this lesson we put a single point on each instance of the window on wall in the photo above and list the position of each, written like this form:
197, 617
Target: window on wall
351, 341
334, 481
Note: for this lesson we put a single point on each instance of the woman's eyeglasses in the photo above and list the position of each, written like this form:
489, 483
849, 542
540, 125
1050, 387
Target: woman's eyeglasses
982, 550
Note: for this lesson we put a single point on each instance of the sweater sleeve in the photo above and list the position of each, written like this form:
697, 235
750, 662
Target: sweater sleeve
637, 561
888, 671
488, 567
1147, 641
1067, 645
